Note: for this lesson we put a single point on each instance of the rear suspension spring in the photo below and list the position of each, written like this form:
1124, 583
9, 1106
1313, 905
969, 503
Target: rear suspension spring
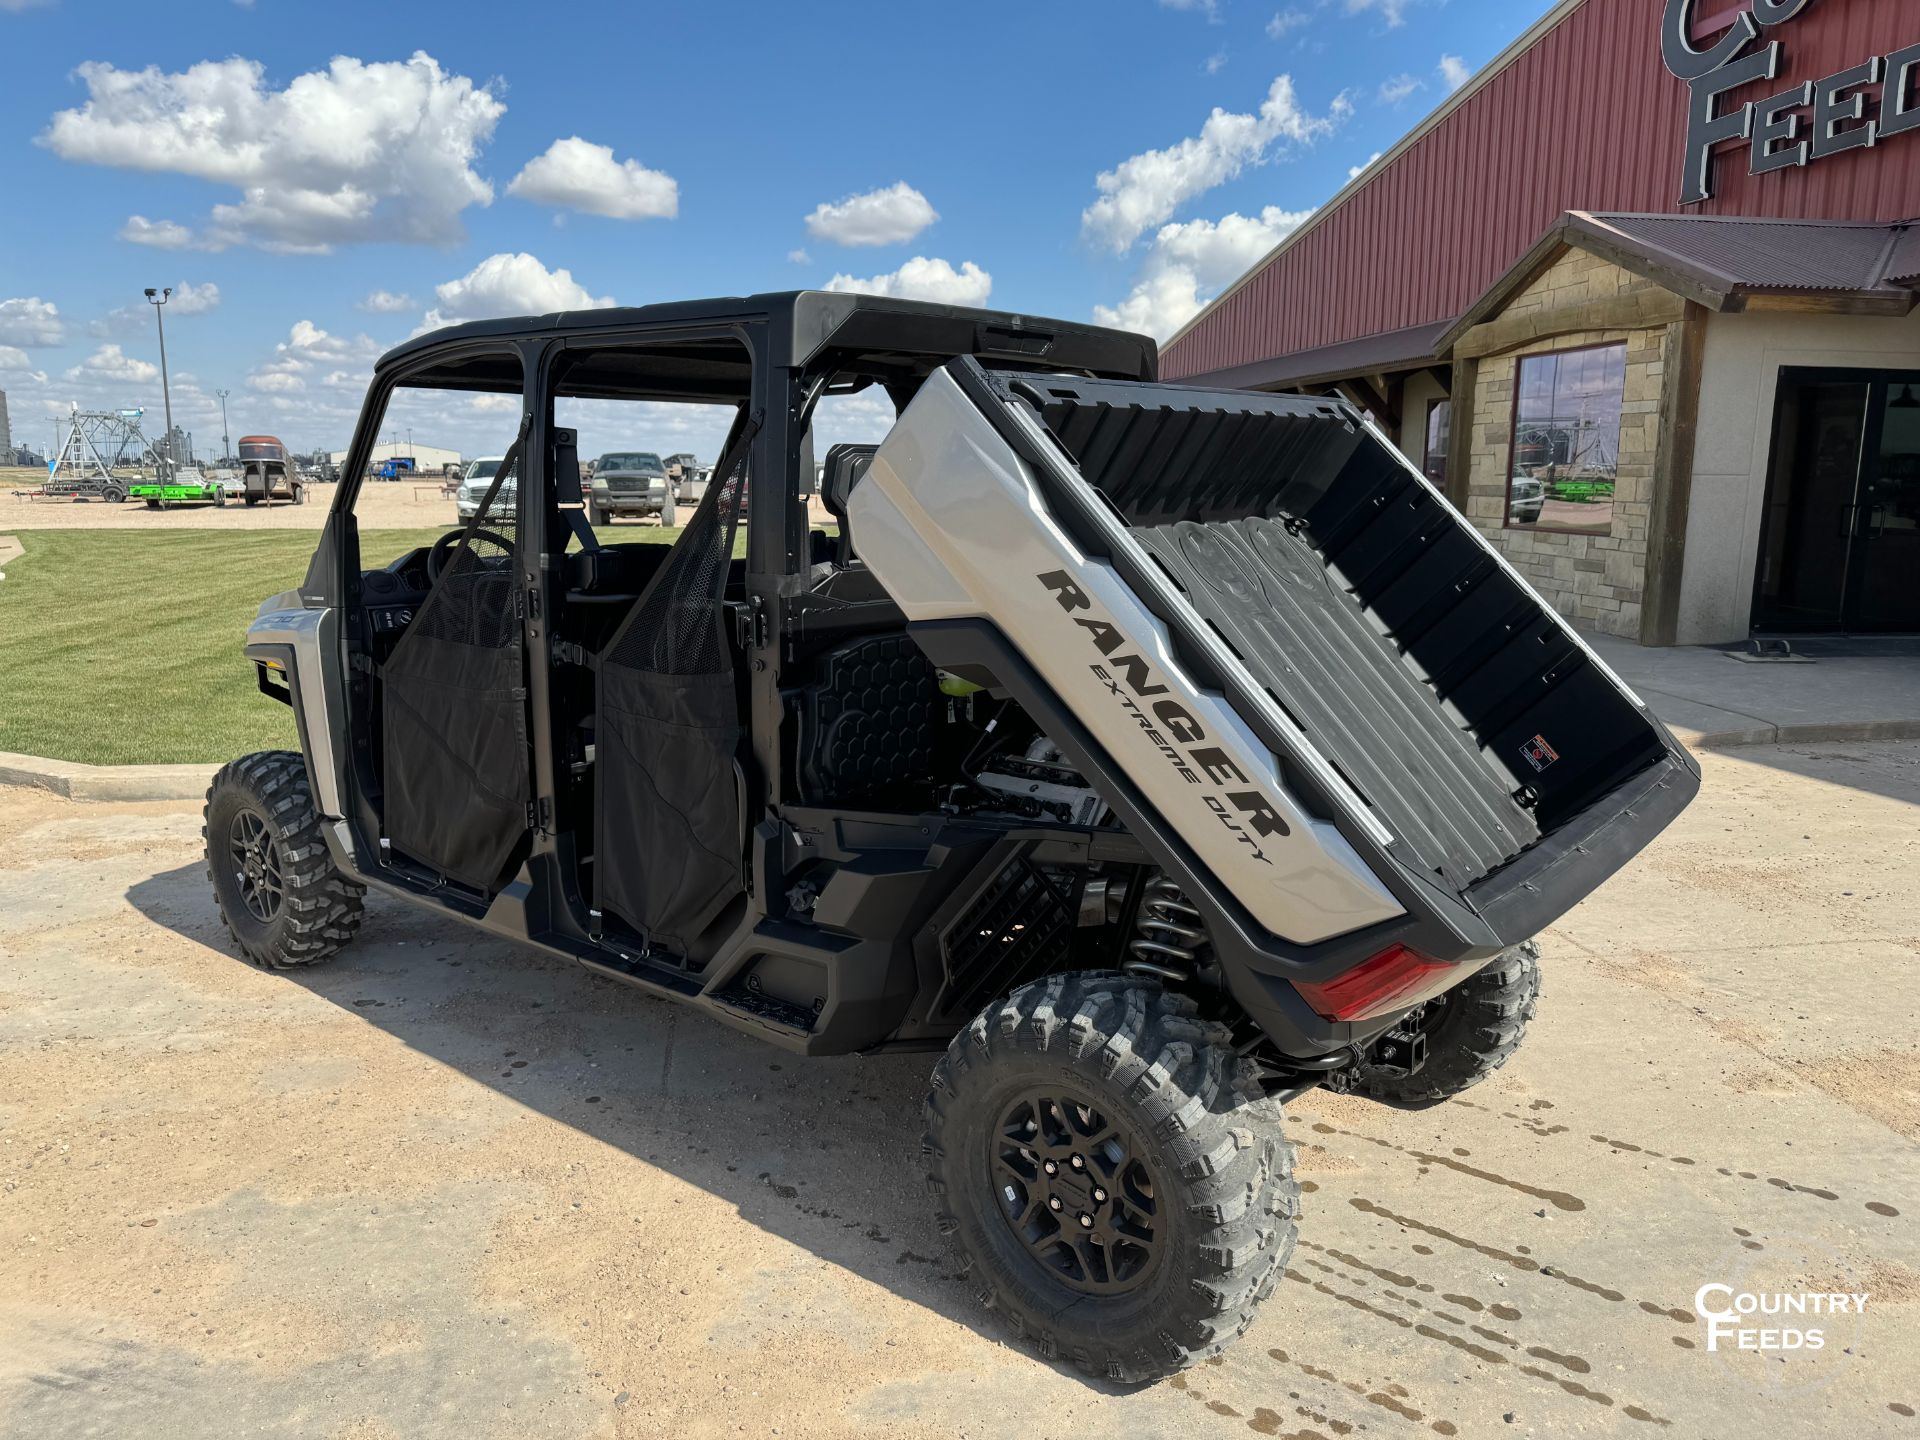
1168, 933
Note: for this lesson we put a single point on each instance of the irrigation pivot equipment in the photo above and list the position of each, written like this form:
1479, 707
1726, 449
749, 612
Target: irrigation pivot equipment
104, 454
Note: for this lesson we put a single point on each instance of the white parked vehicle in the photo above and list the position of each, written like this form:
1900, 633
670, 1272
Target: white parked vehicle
473, 490
1525, 500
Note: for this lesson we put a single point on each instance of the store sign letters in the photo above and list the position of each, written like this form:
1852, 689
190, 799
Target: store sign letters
1853, 108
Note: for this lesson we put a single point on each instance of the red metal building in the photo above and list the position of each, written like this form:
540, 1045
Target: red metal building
1518, 224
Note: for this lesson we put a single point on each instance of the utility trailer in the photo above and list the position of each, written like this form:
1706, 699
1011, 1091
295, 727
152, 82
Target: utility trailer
267, 472
1157, 754
184, 487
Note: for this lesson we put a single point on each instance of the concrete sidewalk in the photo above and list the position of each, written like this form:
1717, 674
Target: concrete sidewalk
1713, 700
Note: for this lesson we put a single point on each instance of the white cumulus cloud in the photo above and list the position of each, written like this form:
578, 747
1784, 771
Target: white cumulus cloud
309, 351
29, 320
509, 285
891, 216
578, 175
109, 362
1455, 71
161, 234
1398, 88
1189, 263
353, 153
193, 299
1146, 189
308, 344
386, 302
924, 279
1356, 171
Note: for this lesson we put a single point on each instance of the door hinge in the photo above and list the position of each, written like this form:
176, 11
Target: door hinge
540, 815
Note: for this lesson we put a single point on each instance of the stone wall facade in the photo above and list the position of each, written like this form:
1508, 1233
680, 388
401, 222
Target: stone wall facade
1595, 580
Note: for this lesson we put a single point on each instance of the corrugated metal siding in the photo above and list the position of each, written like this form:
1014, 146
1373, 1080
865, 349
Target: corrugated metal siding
1587, 119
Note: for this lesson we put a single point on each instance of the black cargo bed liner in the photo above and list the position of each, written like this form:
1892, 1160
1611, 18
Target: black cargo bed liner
1425, 671
1268, 594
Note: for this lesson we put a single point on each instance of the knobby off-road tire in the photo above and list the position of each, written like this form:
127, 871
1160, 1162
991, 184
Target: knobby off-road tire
1223, 1199
279, 894
1479, 1025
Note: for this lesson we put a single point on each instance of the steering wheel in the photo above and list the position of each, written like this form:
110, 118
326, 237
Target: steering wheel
442, 549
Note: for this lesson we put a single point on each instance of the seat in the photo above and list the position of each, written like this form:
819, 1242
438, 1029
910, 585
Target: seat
613, 570
866, 724
846, 466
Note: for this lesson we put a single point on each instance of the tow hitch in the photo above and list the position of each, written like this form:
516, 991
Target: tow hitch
1401, 1051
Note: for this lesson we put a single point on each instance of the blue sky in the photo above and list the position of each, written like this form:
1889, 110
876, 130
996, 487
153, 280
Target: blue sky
287, 162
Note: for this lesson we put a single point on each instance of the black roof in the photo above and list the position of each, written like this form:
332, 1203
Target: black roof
804, 322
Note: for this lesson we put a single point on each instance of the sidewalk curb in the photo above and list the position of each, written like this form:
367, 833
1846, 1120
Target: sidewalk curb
106, 782
1830, 732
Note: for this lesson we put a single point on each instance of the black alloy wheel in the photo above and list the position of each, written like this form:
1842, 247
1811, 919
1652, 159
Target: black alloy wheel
1076, 1191
256, 865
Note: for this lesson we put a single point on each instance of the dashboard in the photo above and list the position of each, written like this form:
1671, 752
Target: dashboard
391, 597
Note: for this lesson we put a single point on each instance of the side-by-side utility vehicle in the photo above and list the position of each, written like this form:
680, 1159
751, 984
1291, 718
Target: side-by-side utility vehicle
1156, 753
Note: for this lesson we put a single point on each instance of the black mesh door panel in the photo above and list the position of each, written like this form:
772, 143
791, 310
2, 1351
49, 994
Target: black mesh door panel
668, 799
456, 759
668, 853
455, 709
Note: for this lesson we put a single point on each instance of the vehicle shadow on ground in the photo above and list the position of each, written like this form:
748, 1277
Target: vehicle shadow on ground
823, 1153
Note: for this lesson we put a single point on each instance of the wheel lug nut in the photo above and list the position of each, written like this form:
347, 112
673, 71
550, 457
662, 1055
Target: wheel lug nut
1054, 1203
1086, 1221
1099, 1196
1051, 1168
1078, 1163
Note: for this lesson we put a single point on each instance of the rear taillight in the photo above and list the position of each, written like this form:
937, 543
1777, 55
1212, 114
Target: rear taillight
1395, 979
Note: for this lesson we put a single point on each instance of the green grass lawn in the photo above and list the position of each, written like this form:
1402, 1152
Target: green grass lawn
124, 648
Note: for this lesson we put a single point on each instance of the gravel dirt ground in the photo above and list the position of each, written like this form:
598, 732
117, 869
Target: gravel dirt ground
383, 505
443, 1187
389, 505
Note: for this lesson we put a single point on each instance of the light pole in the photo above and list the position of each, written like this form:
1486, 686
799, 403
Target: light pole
226, 445
166, 392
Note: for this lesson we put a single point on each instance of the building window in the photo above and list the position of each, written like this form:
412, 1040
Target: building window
1439, 436
1566, 440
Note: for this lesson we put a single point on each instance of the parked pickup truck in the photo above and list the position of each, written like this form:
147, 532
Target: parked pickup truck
472, 493
631, 482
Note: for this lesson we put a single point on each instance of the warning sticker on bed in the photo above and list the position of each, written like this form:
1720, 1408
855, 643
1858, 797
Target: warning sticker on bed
1539, 753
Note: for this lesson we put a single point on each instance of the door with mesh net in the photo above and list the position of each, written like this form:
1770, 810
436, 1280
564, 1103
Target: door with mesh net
455, 705
669, 852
